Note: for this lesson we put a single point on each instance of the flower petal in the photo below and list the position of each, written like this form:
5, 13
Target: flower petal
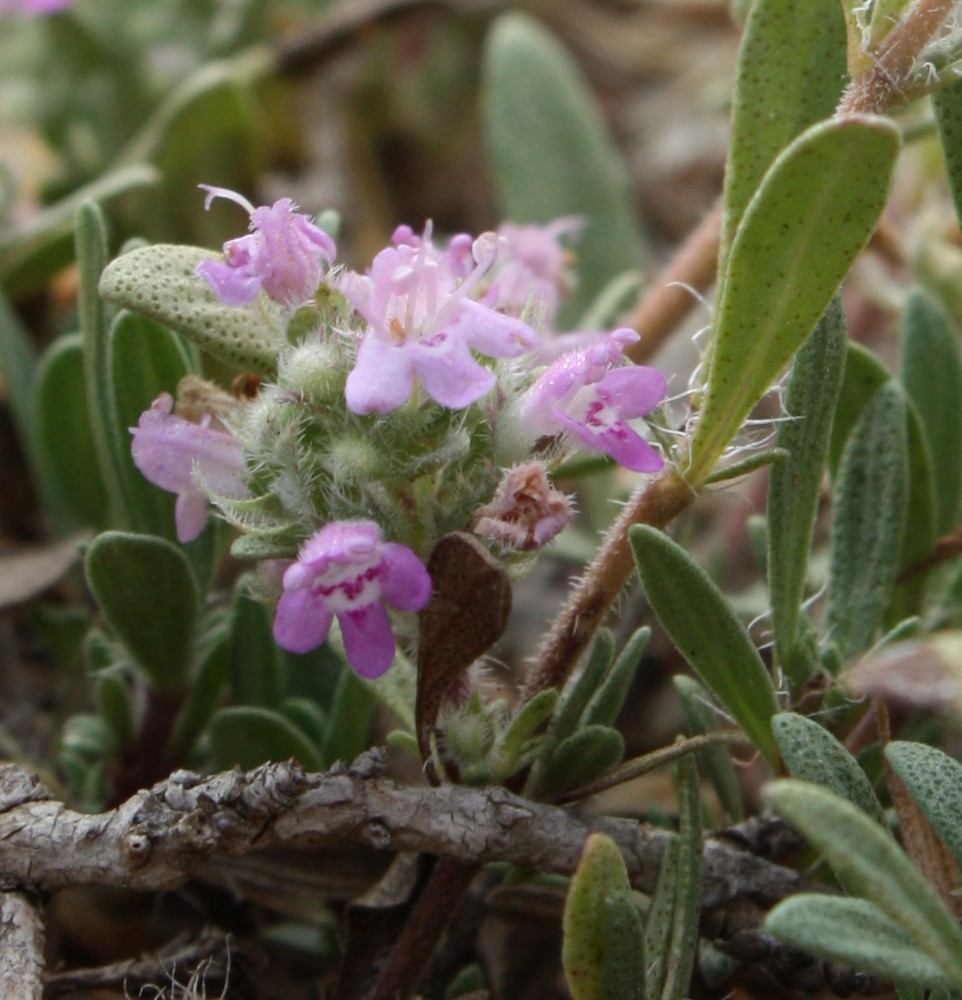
633, 390
405, 583
382, 377
368, 639
190, 514
450, 374
302, 621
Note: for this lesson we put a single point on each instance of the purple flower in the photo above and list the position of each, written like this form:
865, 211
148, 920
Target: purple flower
534, 267
187, 458
422, 322
282, 255
347, 571
31, 6
584, 394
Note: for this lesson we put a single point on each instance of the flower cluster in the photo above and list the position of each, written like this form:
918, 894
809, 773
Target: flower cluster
417, 405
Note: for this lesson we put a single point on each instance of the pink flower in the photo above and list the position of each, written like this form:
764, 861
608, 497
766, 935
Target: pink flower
533, 267
187, 459
31, 6
526, 511
347, 571
422, 322
282, 255
585, 394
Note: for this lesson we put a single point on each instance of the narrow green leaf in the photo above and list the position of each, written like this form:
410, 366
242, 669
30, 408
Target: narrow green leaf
608, 700
159, 282
116, 708
947, 104
697, 618
600, 876
145, 360
716, 761
206, 690
147, 594
247, 737
814, 211
67, 445
30, 255
550, 155
868, 522
110, 441
255, 668
864, 376
811, 753
658, 926
528, 719
582, 688
865, 855
794, 485
854, 932
585, 755
688, 885
931, 372
623, 957
350, 719
934, 780
791, 66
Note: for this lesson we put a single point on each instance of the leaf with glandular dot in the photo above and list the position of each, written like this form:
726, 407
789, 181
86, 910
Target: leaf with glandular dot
869, 860
868, 522
590, 934
813, 212
854, 932
811, 753
159, 282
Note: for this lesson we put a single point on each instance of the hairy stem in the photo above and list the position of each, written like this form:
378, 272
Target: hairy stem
882, 85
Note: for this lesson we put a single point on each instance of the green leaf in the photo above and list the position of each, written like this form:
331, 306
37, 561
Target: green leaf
255, 659
811, 753
683, 941
791, 65
350, 719
931, 372
623, 957
585, 755
110, 441
550, 155
864, 376
147, 594
159, 282
854, 932
814, 211
934, 780
947, 104
67, 445
579, 692
203, 696
606, 704
248, 736
868, 523
865, 855
794, 485
599, 877
716, 761
116, 707
697, 618
145, 360
29, 256
671, 931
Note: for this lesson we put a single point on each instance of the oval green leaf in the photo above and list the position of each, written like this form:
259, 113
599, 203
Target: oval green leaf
247, 736
697, 618
814, 211
147, 594
866, 856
